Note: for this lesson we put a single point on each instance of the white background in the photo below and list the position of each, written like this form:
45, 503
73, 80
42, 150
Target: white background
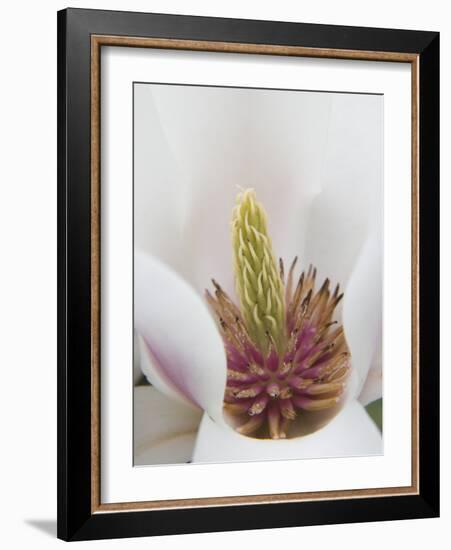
28, 277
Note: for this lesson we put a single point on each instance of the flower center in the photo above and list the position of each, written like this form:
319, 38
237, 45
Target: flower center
286, 356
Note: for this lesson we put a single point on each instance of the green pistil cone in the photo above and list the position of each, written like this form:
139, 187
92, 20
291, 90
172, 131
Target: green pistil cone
259, 286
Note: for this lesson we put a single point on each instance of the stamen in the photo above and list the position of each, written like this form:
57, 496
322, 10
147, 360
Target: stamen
290, 280
285, 368
274, 421
319, 389
251, 426
338, 375
285, 393
297, 294
236, 408
323, 332
299, 383
281, 269
273, 390
305, 304
284, 426
252, 391
255, 369
238, 376
272, 361
287, 409
317, 354
314, 404
258, 405
335, 335
334, 363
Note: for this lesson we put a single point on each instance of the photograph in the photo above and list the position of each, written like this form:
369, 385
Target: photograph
258, 274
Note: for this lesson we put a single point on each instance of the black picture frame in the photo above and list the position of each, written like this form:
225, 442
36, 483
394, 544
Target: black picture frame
76, 518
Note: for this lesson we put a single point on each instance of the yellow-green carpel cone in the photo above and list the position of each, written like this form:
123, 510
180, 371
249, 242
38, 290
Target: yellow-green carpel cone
258, 282
285, 353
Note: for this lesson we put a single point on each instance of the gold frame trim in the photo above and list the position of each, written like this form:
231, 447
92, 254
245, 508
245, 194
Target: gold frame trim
97, 41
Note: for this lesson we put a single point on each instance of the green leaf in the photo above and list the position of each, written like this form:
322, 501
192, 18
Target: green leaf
374, 409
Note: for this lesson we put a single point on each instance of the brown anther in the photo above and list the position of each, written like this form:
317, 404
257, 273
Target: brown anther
285, 368
253, 391
281, 269
255, 369
285, 393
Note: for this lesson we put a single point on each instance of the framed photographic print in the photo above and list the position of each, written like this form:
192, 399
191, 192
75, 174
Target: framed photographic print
248, 274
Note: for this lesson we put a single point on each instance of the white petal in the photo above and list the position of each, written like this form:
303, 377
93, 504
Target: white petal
225, 138
342, 215
290, 132
372, 388
362, 307
351, 433
158, 184
164, 432
345, 229
206, 132
186, 350
137, 372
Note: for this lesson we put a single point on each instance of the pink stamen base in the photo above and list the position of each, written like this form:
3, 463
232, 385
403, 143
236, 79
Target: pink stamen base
268, 390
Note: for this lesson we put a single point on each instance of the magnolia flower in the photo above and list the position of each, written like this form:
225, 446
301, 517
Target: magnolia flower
260, 372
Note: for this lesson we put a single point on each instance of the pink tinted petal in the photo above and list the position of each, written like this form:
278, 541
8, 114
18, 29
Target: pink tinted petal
180, 335
160, 377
